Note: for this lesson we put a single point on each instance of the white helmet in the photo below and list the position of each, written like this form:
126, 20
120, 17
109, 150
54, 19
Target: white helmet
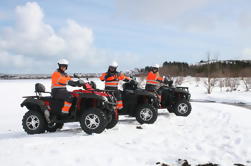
156, 66
114, 64
63, 62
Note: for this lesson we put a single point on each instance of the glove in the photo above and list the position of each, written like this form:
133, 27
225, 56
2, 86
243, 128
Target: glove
93, 84
72, 83
167, 81
108, 75
133, 82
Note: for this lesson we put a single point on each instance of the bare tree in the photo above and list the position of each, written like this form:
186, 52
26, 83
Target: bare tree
247, 82
210, 84
232, 83
221, 84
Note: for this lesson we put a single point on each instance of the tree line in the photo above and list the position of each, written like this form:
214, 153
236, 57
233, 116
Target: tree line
227, 68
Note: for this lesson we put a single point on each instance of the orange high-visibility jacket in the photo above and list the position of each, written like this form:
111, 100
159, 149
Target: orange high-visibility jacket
59, 80
113, 80
153, 78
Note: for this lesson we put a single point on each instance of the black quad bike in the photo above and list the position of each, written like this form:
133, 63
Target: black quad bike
93, 108
139, 103
175, 99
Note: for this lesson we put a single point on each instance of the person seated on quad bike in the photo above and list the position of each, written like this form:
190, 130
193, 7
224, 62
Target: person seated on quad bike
112, 78
59, 80
153, 79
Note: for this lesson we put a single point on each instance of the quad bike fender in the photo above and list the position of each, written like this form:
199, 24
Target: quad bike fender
145, 93
108, 105
91, 96
34, 104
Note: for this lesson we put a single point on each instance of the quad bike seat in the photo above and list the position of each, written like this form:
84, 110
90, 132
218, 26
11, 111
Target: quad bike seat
40, 88
129, 91
55, 104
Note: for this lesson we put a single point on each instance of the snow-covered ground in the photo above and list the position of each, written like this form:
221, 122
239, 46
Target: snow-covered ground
198, 91
213, 132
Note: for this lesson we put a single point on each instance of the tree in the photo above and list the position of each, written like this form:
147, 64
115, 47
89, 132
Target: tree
247, 83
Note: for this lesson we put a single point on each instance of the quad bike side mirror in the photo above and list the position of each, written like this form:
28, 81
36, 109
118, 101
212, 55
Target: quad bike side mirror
170, 83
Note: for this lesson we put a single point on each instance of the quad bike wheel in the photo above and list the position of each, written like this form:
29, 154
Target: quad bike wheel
114, 120
53, 127
146, 113
182, 108
93, 120
34, 122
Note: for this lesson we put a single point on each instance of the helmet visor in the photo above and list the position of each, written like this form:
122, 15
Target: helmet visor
112, 68
63, 66
155, 69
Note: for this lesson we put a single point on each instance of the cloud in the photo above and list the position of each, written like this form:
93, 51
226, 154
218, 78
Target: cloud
158, 10
31, 42
79, 40
31, 36
245, 20
185, 15
16, 60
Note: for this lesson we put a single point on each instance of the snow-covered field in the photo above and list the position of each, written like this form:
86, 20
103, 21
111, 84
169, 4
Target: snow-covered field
198, 91
213, 132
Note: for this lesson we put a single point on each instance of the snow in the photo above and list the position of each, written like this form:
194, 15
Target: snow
213, 132
198, 91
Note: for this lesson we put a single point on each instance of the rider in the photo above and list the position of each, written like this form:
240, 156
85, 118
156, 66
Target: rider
112, 78
153, 78
59, 80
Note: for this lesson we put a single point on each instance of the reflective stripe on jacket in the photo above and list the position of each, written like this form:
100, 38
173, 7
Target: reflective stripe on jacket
153, 78
113, 80
59, 80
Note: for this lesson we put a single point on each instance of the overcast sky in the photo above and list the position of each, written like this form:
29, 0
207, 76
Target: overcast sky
34, 35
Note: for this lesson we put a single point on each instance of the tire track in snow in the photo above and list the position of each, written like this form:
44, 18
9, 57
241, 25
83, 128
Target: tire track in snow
243, 105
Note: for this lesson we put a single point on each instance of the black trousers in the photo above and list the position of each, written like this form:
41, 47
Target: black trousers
151, 88
62, 94
116, 92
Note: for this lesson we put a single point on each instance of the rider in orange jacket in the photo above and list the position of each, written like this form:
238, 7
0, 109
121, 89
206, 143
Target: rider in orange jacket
153, 78
59, 80
112, 78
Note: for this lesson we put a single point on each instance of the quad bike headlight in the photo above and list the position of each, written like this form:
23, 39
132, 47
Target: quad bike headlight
189, 96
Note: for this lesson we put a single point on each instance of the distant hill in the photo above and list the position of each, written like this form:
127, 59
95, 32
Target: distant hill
41, 76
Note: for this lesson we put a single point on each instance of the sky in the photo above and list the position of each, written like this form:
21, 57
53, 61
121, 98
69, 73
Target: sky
91, 34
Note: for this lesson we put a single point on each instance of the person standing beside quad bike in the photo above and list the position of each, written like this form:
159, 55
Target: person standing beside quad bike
112, 78
175, 99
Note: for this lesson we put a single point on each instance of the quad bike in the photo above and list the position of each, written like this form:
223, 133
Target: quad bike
93, 108
139, 103
175, 99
